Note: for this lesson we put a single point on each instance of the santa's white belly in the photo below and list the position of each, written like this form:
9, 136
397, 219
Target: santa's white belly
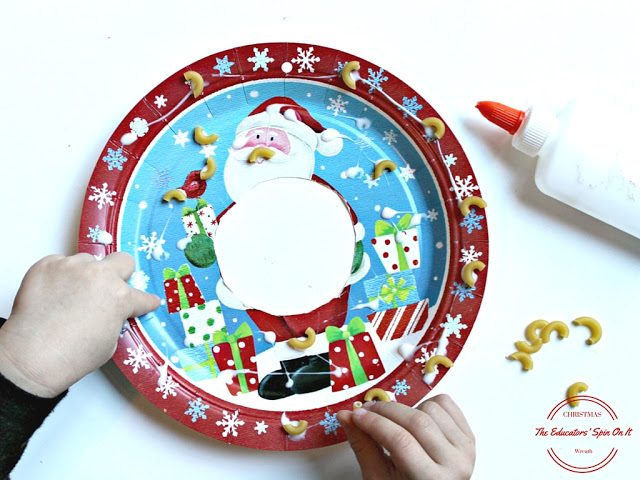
286, 247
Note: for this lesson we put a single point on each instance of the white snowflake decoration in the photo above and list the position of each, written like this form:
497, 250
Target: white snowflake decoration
337, 105
465, 186
432, 215
150, 244
261, 427
406, 173
138, 359
230, 423
181, 138
305, 60
103, 196
139, 126
168, 388
260, 59
470, 255
208, 150
426, 354
453, 325
160, 101
450, 160
390, 137
370, 181
139, 280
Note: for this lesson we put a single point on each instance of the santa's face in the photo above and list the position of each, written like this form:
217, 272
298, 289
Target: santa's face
291, 158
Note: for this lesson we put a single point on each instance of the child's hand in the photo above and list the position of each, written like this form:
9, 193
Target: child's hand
432, 441
66, 320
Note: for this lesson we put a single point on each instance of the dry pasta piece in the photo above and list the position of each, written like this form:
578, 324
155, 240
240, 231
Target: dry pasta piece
346, 74
435, 126
175, 194
557, 326
430, 366
299, 429
382, 166
260, 152
207, 172
306, 343
357, 405
575, 390
593, 325
467, 272
377, 394
523, 358
531, 332
465, 205
196, 81
529, 348
202, 138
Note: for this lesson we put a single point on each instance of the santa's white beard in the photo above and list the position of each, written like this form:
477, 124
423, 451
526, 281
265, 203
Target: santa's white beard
240, 176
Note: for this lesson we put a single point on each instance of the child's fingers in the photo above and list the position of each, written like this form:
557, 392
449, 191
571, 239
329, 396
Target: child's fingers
447, 403
371, 458
142, 302
122, 263
444, 421
389, 428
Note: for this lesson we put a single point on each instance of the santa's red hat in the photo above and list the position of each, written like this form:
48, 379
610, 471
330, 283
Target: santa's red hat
286, 114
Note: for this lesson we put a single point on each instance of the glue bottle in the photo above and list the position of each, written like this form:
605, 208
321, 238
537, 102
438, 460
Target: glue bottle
581, 161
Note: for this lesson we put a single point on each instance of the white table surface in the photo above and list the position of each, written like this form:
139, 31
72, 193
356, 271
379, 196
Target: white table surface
72, 70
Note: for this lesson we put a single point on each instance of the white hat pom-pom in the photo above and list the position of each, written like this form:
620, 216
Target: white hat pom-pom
329, 142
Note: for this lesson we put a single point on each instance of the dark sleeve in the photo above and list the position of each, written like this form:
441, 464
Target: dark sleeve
20, 415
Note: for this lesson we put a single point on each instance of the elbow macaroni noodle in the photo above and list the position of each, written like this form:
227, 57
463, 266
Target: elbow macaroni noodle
261, 152
299, 429
465, 205
203, 139
207, 172
306, 343
594, 327
196, 81
430, 366
524, 358
467, 272
346, 74
575, 390
435, 124
377, 394
175, 194
382, 166
556, 326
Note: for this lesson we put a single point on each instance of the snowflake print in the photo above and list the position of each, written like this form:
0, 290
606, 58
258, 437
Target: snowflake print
337, 105
453, 325
114, 158
103, 196
181, 138
139, 126
261, 427
305, 59
260, 59
197, 410
425, 354
462, 290
432, 215
450, 160
370, 181
410, 106
208, 150
160, 101
138, 359
139, 280
375, 79
230, 423
162, 179
223, 65
401, 387
94, 233
406, 173
472, 221
465, 186
330, 423
470, 255
168, 388
340, 67
390, 137
150, 244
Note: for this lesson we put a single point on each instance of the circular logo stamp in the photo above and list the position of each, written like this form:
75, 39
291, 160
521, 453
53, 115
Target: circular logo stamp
583, 438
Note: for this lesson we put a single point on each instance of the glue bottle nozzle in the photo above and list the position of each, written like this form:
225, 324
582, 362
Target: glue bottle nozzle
503, 116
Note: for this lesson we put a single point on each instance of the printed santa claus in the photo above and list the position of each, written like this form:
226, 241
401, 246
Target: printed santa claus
279, 140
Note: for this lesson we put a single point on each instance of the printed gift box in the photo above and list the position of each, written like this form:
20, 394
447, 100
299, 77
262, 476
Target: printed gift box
392, 290
198, 362
201, 322
397, 246
353, 352
237, 352
201, 219
181, 290
400, 322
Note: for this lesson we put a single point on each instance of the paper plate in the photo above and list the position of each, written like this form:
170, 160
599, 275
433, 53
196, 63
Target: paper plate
209, 356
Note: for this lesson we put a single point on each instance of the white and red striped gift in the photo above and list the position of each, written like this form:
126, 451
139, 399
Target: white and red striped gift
400, 322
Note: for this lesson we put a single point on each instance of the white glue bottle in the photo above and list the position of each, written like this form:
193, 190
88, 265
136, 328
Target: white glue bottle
581, 161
